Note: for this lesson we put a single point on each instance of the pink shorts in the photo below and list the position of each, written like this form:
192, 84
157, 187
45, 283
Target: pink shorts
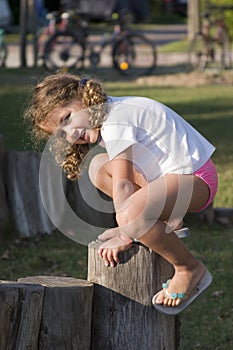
209, 175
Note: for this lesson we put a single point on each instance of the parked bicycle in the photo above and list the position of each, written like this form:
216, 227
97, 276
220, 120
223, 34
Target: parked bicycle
52, 22
211, 47
3, 48
131, 53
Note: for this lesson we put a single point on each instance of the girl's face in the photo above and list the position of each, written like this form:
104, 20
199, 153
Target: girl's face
72, 123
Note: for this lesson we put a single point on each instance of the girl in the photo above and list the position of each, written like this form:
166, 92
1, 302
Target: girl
156, 168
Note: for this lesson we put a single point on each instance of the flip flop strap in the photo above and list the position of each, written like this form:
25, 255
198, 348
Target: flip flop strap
173, 296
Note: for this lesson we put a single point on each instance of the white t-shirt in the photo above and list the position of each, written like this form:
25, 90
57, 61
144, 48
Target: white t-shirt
161, 141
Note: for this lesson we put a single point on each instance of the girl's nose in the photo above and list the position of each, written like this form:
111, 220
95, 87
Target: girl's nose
73, 134
77, 133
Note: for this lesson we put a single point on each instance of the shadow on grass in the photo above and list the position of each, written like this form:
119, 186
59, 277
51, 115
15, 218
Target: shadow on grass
31, 75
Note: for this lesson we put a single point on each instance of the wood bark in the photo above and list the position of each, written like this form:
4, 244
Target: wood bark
3, 202
22, 186
25, 201
123, 315
45, 312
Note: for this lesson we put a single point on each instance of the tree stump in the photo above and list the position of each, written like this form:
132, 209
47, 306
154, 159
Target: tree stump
3, 202
24, 197
123, 315
45, 313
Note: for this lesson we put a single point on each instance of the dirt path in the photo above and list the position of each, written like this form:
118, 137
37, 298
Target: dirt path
189, 79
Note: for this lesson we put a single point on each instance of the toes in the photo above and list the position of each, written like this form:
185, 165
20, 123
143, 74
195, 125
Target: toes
160, 298
165, 298
168, 301
177, 302
174, 302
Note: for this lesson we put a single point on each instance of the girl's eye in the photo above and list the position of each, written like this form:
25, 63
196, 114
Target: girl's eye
66, 119
61, 134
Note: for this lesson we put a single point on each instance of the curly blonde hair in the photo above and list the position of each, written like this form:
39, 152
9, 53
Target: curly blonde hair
57, 90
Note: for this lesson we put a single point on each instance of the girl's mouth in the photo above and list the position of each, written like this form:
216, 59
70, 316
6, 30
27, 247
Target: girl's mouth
83, 135
79, 135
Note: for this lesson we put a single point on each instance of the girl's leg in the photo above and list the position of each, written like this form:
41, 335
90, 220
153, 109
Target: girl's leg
145, 217
188, 270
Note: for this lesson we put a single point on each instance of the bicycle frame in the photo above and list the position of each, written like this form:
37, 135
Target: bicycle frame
3, 48
72, 47
53, 22
107, 39
74, 23
212, 45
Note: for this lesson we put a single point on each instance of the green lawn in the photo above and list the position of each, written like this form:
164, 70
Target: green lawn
208, 324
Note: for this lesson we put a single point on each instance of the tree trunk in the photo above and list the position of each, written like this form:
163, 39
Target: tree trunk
34, 28
23, 31
45, 313
193, 18
123, 315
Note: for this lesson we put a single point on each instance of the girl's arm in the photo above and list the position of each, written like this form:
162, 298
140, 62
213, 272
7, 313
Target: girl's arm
123, 180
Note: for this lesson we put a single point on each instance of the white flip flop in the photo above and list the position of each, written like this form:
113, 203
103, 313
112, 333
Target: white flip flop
188, 299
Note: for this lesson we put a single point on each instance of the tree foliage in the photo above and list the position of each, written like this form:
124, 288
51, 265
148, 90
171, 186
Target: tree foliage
227, 13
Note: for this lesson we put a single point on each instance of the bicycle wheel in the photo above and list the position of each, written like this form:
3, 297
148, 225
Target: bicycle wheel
199, 53
134, 55
3, 54
226, 58
64, 50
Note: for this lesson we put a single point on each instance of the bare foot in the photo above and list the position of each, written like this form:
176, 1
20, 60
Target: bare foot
175, 224
180, 225
110, 249
183, 281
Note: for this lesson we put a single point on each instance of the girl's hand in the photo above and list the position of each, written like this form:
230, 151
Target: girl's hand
110, 255
115, 232
110, 249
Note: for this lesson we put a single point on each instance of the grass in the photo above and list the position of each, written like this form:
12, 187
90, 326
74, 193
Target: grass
201, 325
175, 46
207, 325
51, 254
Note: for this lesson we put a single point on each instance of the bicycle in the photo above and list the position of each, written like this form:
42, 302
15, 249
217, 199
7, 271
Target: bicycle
131, 53
3, 48
51, 23
211, 46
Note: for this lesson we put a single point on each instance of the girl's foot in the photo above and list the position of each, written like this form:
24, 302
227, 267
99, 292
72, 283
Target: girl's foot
183, 282
173, 225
